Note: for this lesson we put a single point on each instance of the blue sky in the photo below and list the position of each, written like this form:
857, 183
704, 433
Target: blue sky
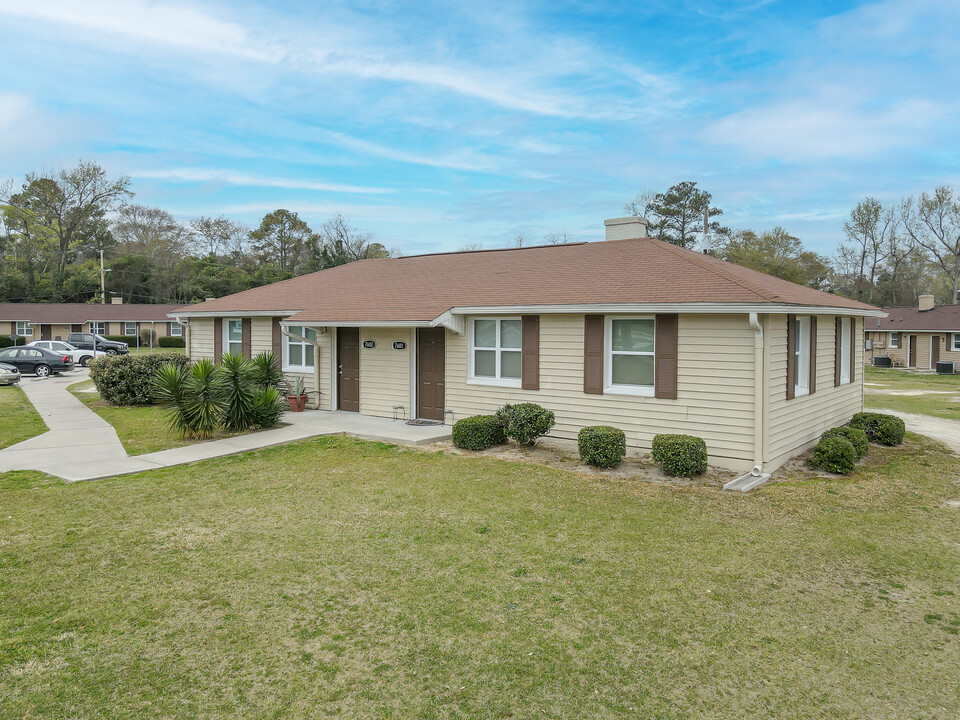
433, 125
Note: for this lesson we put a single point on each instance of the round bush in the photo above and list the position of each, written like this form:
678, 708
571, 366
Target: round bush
835, 454
128, 379
478, 432
171, 342
525, 422
856, 436
880, 428
680, 455
602, 446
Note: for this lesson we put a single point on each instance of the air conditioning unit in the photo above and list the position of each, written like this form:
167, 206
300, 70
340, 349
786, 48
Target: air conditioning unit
882, 361
946, 368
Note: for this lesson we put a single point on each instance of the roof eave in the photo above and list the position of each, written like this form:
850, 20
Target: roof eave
700, 308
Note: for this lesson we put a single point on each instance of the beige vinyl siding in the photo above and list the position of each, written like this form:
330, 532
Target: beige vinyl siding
792, 426
62, 330
309, 378
201, 338
385, 372
715, 381
900, 356
261, 335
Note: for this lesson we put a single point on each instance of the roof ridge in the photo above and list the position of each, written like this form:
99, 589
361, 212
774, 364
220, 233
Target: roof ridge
695, 257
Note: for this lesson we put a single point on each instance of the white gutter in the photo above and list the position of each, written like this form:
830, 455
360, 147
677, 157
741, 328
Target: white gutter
185, 326
680, 307
758, 394
231, 313
293, 322
316, 359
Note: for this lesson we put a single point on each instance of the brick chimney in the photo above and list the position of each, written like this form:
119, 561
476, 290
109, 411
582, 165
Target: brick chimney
628, 228
926, 302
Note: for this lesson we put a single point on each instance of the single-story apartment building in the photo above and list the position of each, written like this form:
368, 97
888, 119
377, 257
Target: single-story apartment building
631, 332
916, 337
54, 321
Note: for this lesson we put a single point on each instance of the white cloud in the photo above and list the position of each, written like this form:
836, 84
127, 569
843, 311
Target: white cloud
231, 177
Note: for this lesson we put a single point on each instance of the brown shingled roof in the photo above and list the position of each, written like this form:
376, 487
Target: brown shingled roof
942, 317
420, 288
76, 313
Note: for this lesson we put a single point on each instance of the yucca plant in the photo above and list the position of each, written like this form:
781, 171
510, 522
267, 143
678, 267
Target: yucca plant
169, 387
266, 370
203, 396
237, 384
268, 407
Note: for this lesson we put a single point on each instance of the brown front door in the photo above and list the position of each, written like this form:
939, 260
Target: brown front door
912, 352
45, 333
934, 351
430, 373
348, 369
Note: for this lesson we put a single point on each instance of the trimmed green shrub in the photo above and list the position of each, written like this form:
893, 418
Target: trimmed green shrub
478, 432
856, 436
834, 454
602, 446
130, 340
171, 342
680, 455
11, 340
880, 428
146, 335
128, 379
525, 422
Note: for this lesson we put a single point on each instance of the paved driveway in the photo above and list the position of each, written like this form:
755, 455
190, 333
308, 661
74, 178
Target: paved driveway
946, 431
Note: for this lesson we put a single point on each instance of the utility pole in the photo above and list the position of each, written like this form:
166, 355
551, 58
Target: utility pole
103, 289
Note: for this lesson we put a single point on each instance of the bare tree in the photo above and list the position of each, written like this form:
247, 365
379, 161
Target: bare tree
868, 233
472, 246
339, 243
218, 235
558, 237
933, 222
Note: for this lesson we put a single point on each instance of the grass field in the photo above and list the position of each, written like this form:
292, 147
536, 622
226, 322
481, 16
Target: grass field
18, 420
140, 429
336, 578
943, 400
134, 350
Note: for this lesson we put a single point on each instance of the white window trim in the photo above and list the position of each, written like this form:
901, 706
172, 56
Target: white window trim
802, 358
27, 328
95, 328
890, 342
285, 348
846, 338
176, 329
956, 342
609, 388
227, 342
497, 381
126, 326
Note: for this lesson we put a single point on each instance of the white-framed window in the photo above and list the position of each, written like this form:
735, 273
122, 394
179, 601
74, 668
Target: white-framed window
98, 328
24, 329
955, 342
495, 351
297, 354
176, 329
801, 349
894, 340
129, 328
233, 337
629, 355
846, 337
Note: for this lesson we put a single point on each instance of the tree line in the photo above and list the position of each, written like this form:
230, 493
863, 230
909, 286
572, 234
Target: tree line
56, 224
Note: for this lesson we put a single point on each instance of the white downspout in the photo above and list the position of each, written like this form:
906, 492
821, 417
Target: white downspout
758, 371
316, 359
185, 333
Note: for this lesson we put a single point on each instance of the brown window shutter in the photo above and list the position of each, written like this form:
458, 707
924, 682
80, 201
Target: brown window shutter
593, 354
217, 339
166, 330
853, 349
245, 331
791, 358
838, 351
277, 342
530, 353
813, 354
665, 357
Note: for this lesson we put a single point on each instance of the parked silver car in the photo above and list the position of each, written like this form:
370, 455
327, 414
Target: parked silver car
9, 375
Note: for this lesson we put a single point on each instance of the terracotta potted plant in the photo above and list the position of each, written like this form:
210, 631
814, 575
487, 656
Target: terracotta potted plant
297, 399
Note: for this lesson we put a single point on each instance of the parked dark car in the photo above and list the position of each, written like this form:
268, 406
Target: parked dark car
90, 341
9, 375
37, 361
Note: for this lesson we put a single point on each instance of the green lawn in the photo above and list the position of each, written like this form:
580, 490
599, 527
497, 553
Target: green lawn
140, 429
134, 350
336, 578
18, 419
943, 402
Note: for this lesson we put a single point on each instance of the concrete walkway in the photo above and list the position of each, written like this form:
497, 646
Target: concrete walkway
946, 431
80, 445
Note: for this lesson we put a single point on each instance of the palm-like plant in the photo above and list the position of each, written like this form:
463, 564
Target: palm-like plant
266, 370
169, 385
238, 392
268, 407
202, 398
